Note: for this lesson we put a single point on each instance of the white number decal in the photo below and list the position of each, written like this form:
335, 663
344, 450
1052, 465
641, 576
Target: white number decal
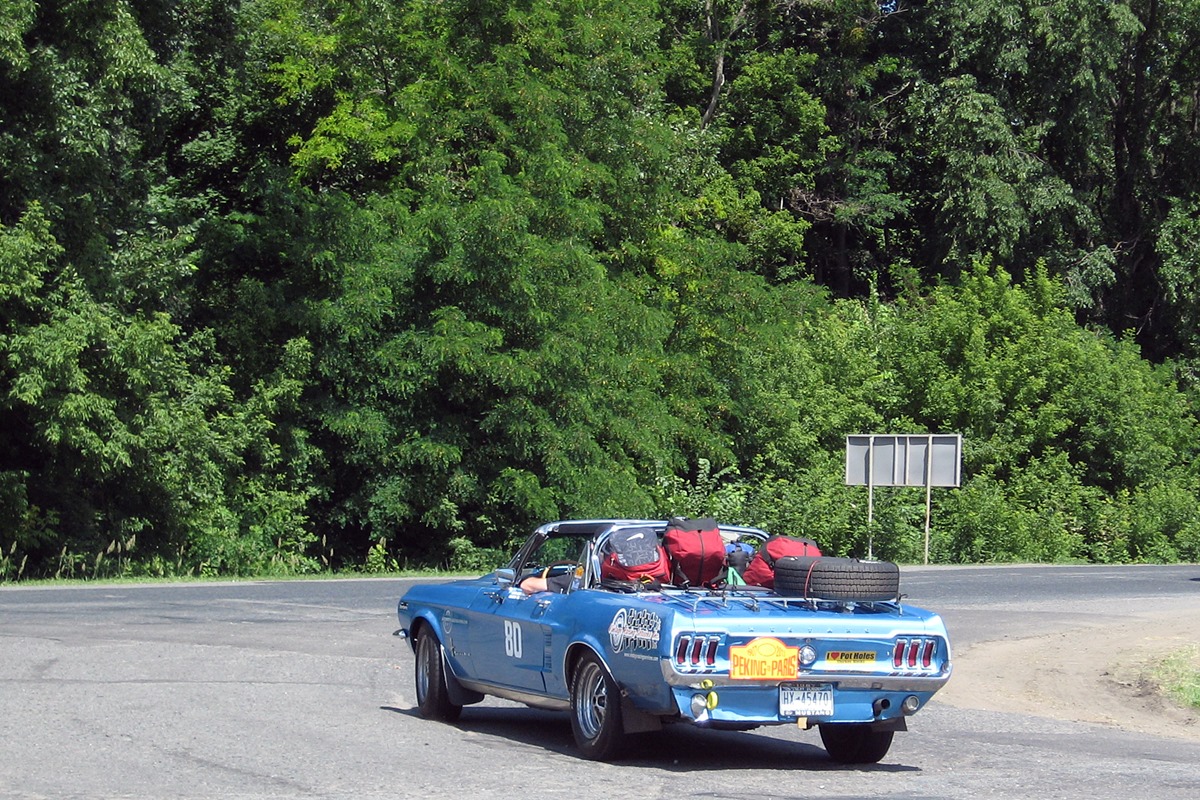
512, 639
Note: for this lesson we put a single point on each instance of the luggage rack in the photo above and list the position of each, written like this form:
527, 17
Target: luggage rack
753, 597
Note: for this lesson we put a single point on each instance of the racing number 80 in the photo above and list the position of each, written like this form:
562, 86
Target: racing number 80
512, 639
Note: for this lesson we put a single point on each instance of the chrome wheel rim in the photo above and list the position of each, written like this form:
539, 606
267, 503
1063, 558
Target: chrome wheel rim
423, 668
592, 705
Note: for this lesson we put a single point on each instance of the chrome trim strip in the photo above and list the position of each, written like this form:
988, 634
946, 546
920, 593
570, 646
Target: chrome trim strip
518, 696
843, 680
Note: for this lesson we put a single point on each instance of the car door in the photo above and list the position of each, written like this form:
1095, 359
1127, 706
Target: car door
510, 638
511, 632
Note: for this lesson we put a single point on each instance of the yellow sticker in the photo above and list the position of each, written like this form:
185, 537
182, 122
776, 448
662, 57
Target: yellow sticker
763, 659
851, 657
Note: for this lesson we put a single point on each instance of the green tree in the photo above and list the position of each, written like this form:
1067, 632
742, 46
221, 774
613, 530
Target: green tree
1056, 417
1069, 137
486, 355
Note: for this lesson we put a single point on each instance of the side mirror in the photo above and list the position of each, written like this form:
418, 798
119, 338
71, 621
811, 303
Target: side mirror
504, 576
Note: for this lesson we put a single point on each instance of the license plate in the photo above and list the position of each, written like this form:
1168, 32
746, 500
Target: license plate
805, 700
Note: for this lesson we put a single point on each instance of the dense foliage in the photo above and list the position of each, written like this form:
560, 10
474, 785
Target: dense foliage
296, 284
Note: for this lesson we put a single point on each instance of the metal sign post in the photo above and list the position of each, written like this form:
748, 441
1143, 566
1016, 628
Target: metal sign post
923, 459
870, 502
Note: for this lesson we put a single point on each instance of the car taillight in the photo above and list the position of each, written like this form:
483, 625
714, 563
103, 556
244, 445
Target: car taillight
914, 653
696, 651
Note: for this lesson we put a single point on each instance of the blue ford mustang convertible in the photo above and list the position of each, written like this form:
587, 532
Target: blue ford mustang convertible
829, 644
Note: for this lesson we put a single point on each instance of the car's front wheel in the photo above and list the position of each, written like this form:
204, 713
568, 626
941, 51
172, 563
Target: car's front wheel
433, 697
855, 744
596, 710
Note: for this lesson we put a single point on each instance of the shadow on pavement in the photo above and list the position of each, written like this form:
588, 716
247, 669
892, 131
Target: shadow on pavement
676, 748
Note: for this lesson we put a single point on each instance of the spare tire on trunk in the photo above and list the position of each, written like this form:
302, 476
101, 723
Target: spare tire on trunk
826, 578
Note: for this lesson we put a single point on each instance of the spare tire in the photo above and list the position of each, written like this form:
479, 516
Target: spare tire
826, 578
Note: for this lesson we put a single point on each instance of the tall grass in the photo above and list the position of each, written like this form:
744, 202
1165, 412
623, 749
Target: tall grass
1178, 675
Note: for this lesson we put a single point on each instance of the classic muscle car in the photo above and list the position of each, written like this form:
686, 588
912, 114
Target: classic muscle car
831, 645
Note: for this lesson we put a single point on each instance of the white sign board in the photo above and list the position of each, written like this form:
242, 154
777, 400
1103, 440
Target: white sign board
920, 459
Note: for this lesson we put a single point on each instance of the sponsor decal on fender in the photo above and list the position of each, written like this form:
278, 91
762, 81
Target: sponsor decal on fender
765, 658
634, 629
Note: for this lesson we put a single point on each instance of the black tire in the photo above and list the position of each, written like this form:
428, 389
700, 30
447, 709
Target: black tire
825, 578
596, 711
433, 698
855, 744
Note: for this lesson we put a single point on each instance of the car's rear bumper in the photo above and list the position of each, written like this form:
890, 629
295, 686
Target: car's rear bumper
857, 697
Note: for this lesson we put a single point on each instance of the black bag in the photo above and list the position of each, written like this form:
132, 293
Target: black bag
738, 555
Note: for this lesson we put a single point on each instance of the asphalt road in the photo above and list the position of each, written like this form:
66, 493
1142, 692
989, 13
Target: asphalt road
298, 690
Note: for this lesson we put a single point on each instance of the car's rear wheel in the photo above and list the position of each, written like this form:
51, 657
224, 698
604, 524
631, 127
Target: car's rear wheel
596, 710
855, 744
433, 697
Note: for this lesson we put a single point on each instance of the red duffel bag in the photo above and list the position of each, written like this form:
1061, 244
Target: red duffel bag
696, 550
761, 571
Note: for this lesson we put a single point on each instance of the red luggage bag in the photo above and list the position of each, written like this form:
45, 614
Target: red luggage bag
696, 550
761, 571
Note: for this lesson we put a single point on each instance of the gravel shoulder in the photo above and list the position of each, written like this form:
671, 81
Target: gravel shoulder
1091, 674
